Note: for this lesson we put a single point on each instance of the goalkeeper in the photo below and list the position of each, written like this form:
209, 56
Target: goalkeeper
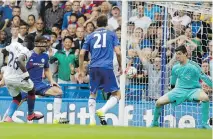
186, 87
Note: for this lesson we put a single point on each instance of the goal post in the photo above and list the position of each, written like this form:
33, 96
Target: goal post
123, 52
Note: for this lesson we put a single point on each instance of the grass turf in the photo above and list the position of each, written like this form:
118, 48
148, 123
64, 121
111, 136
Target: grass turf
45, 131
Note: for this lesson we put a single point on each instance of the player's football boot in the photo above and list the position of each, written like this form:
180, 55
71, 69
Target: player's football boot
61, 121
34, 116
101, 116
206, 126
154, 124
8, 119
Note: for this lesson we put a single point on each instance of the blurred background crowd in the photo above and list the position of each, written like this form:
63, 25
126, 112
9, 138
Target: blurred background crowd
66, 24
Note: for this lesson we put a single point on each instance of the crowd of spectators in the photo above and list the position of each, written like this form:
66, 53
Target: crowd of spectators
66, 24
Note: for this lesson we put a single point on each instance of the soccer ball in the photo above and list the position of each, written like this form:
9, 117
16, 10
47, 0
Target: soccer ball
131, 72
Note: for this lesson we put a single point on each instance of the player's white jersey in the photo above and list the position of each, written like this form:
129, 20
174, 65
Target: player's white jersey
15, 49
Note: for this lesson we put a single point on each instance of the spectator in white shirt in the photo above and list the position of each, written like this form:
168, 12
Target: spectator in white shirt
141, 20
113, 21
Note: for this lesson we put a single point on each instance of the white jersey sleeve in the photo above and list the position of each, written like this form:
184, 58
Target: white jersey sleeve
15, 50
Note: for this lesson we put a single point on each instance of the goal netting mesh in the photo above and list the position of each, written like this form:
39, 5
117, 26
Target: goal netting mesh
158, 28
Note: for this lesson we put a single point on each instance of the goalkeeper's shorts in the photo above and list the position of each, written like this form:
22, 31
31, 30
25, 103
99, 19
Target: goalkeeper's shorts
179, 95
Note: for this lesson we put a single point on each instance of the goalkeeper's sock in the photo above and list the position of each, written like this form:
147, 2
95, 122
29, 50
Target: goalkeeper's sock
113, 100
92, 107
13, 107
205, 111
157, 113
57, 107
31, 102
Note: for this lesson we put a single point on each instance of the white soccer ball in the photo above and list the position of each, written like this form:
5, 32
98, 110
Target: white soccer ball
131, 72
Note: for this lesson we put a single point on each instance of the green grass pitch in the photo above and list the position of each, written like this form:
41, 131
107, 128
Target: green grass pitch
45, 131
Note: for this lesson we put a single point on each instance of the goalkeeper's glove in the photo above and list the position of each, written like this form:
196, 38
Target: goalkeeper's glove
25, 76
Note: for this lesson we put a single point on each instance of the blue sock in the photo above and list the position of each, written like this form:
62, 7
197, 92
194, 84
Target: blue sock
13, 107
31, 103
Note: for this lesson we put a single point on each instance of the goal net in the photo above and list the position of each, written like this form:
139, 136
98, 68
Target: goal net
154, 30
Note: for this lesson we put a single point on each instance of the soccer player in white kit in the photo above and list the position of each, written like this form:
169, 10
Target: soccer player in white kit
16, 77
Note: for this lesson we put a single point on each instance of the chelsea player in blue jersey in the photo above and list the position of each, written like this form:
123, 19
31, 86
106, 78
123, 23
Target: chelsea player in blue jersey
101, 44
37, 64
185, 81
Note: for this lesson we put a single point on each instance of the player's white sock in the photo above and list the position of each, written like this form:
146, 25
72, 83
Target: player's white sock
113, 100
92, 107
57, 108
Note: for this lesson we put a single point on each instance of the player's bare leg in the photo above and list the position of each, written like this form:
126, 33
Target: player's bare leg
57, 93
203, 97
113, 100
158, 108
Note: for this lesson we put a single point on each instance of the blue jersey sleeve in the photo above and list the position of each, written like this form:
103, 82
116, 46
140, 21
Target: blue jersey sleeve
86, 44
46, 64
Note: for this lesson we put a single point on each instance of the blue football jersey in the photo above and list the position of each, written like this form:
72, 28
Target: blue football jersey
36, 65
101, 45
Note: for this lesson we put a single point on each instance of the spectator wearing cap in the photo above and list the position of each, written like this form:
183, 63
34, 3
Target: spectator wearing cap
51, 52
113, 21
29, 8
75, 9
65, 58
53, 15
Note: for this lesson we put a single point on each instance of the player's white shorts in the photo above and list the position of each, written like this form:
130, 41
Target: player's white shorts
17, 85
